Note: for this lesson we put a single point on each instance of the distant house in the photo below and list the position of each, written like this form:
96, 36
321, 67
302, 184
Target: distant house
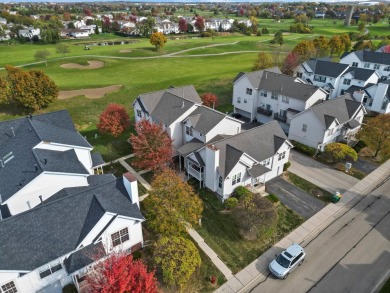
3, 20
29, 33
334, 120
357, 77
378, 61
267, 95
40, 155
59, 241
167, 27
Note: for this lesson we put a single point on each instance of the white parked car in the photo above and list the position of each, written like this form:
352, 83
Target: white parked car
287, 261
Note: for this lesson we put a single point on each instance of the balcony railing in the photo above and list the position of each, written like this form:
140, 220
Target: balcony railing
263, 111
194, 173
280, 118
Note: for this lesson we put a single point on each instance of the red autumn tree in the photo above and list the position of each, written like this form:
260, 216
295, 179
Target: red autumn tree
151, 145
114, 120
209, 100
199, 23
386, 49
183, 25
290, 63
242, 11
119, 273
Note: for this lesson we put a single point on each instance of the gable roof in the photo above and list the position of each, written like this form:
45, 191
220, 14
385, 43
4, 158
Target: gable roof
83, 257
18, 138
342, 108
260, 143
360, 73
326, 68
56, 228
55, 161
372, 56
255, 76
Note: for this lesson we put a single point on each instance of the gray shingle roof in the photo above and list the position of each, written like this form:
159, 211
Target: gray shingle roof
258, 170
204, 119
373, 57
360, 73
341, 108
55, 161
18, 172
190, 147
53, 229
255, 76
326, 68
260, 143
83, 257
168, 105
97, 159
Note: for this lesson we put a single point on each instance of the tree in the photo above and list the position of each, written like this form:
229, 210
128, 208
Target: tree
340, 152
209, 100
171, 204
278, 38
335, 45
263, 61
199, 23
66, 16
42, 55
362, 27
71, 25
183, 25
346, 43
322, 46
151, 145
30, 89
120, 273
62, 49
158, 40
305, 50
290, 63
179, 258
254, 23
376, 134
114, 120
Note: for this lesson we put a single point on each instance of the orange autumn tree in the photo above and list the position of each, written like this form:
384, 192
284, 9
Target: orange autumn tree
172, 204
209, 100
151, 145
114, 120
119, 273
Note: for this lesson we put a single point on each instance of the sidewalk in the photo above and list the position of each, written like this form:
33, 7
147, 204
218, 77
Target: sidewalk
258, 270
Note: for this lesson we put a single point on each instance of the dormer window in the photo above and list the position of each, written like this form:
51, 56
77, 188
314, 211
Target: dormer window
377, 66
355, 64
347, 81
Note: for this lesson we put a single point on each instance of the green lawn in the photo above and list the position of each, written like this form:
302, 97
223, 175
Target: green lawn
220, 231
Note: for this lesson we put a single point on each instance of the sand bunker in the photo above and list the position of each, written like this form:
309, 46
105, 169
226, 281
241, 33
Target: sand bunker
95, 93
125, 51
92, 65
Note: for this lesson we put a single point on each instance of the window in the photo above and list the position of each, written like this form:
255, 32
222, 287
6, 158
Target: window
267, 162
299, 74
236, 179
355, 64
377, 66
245, 101
283, 113
386, 68
139, 113
263, 94
189, 130
282, 156
120, 237
384, 105
8, 288
319, 78
249, 91
50, 269
220, 182
347, 81
366, 65
330, 132
274, 96
285, 99
239, 100
304, 127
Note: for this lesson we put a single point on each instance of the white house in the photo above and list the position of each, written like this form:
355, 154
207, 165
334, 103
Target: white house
378, 61
79, 33
3, 21
29, 32
40, 155
249, 158
266, 95
322, 73
375, 97
167, 27
58, 242
357, 77
330, 121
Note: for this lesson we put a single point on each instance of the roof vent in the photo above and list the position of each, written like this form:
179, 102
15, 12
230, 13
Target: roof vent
36, 167
8, 157
40, 197
182, 105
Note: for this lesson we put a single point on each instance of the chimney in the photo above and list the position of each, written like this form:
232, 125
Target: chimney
40, 198
131, 186
212, 163
13, 131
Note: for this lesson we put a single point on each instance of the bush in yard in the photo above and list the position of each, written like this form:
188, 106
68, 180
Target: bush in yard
302, 148
286, 166
241, 191
231, 203
338, 152
359, 146
209, 99
114, 120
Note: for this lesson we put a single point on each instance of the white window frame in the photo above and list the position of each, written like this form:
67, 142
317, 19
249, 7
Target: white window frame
274, 96
245, 101
120, 231
189, 131
239, 100
347, 81
249, 91
304, 127
320, 78
330, 132
282, 156
387, 68
139, 113
264, 94
377, 66
220, 182
236, 178
11, 287
52, 268
366, 65
285, 99
355, 64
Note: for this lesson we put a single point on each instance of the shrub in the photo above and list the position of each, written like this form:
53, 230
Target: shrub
272, 197
137, 255
258, 33
338, 152
264, 31
241, 191
231, 203
302, 148
286, 166
359, 146
70, 288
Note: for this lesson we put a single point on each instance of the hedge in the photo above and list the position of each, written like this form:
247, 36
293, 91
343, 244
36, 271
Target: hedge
302, 148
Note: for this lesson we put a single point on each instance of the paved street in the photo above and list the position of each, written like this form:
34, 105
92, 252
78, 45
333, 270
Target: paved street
294, 198
350, 255
320, 174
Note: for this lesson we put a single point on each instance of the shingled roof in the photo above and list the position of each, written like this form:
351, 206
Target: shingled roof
360, 73
326, 68
18, 137
56, 228
372, 57
260, 143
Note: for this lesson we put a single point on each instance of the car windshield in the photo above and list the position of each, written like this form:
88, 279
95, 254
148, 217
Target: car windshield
284, 262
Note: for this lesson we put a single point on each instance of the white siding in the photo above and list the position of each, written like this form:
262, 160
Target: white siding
226, 126
239, 94
176, 128
315, 130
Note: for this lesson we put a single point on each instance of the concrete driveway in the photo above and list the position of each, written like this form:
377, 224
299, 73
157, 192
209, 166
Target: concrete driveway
294, 198
320, 174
